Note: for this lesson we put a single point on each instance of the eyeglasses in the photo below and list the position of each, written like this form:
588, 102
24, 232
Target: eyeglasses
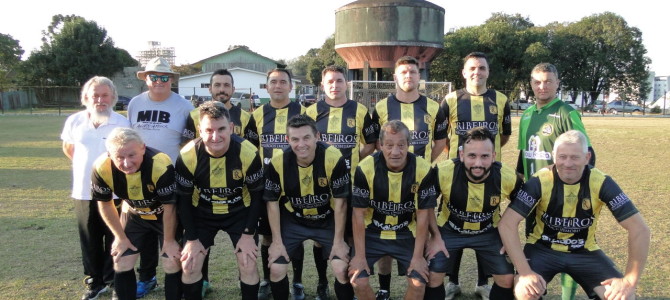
154, 77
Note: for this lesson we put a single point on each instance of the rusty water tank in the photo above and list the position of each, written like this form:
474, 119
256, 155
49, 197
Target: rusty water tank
381, 31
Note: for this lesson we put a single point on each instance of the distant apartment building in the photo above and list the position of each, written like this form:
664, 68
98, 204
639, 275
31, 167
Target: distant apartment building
154, 49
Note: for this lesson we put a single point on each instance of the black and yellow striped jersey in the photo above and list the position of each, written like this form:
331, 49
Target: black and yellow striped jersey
423, 117
145, 191
306, 193
566, 215
465, 111
244, 125
392, 198
345, 128
271, 127
217, 187
473, 208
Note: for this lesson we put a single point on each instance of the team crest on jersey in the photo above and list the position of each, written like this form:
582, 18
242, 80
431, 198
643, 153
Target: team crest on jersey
217, 171
495, 200
415, 188
407, 115
493, 109
150, 188
478, 107
427, 119
237, 174
281, 119
307, 180
547, 129
323, 181
237, 130
133, 189
351, 122
586, 204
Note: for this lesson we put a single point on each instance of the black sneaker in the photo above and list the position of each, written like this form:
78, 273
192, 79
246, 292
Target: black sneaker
383, 295
322, 292
264, 290
298, 291
93, 290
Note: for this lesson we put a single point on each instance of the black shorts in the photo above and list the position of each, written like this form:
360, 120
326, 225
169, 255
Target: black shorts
486, 245
402, 250
587, 268
294, 234
233, 224
140, 231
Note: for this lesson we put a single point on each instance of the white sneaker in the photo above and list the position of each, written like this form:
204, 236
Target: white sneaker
451, 290
483, 291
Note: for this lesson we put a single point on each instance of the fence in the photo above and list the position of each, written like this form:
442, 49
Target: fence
21, 100
369, 92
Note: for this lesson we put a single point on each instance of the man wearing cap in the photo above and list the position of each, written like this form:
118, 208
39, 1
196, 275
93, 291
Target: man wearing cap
159, 116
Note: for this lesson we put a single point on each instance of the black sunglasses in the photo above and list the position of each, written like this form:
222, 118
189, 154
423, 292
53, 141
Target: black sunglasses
154, 77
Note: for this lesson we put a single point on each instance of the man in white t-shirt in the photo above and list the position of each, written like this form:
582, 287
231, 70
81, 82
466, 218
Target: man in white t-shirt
83, 138
159, 115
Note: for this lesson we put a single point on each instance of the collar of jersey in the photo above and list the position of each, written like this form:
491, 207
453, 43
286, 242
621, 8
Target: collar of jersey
539, 110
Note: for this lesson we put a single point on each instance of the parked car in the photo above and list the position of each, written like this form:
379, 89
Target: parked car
122, 104
245, 100
615, 107
307, 99
574, 105
519, 104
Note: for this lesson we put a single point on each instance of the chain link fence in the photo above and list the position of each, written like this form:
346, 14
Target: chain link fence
369, 92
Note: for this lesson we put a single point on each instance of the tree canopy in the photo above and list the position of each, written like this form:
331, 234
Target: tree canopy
10, 56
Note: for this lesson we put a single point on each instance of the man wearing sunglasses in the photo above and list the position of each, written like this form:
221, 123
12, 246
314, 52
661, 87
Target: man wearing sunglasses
159, 116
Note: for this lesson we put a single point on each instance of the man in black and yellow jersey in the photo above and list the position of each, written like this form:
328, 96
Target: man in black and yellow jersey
393, 195
144, 179
271, 123
475, 105
219, 187
306, 191
472, 188
222, 87
427, 126
567, 199
346, 125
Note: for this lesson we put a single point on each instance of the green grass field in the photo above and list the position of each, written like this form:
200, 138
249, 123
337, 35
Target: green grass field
40, 255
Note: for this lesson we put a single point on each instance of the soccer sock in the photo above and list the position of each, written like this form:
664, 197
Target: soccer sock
321, 264
296, 262
435, 293
249, 292
205, 268
125, 285
280, 289
385, 282
482, 278
264, 262
193, 291
344, 291
568, 287
173, 286
500, 293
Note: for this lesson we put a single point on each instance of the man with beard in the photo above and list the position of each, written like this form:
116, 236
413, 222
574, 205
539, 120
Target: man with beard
222, 87
83, 138
472, 187
427, 125
474, 106
159, 116
271, 124
539, 127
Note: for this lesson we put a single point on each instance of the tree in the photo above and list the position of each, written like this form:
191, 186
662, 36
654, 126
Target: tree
74, 50
10, 57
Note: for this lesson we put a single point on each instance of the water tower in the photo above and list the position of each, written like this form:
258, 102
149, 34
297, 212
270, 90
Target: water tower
372, 34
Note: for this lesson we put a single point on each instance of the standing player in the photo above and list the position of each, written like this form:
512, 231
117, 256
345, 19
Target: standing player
83, 138
159, 116
144, 179
271, 120
219, 187
539, 127
472, 187
566, 199
427, 126
222, 87
474, 106
345, 124
307, 187
393, 196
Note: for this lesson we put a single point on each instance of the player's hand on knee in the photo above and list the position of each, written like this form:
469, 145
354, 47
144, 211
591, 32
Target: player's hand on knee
276, 251
246, 247
530, 286
618, 289
420, 266
435, 245
188, 254
120, 246
357, 265
340, 250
